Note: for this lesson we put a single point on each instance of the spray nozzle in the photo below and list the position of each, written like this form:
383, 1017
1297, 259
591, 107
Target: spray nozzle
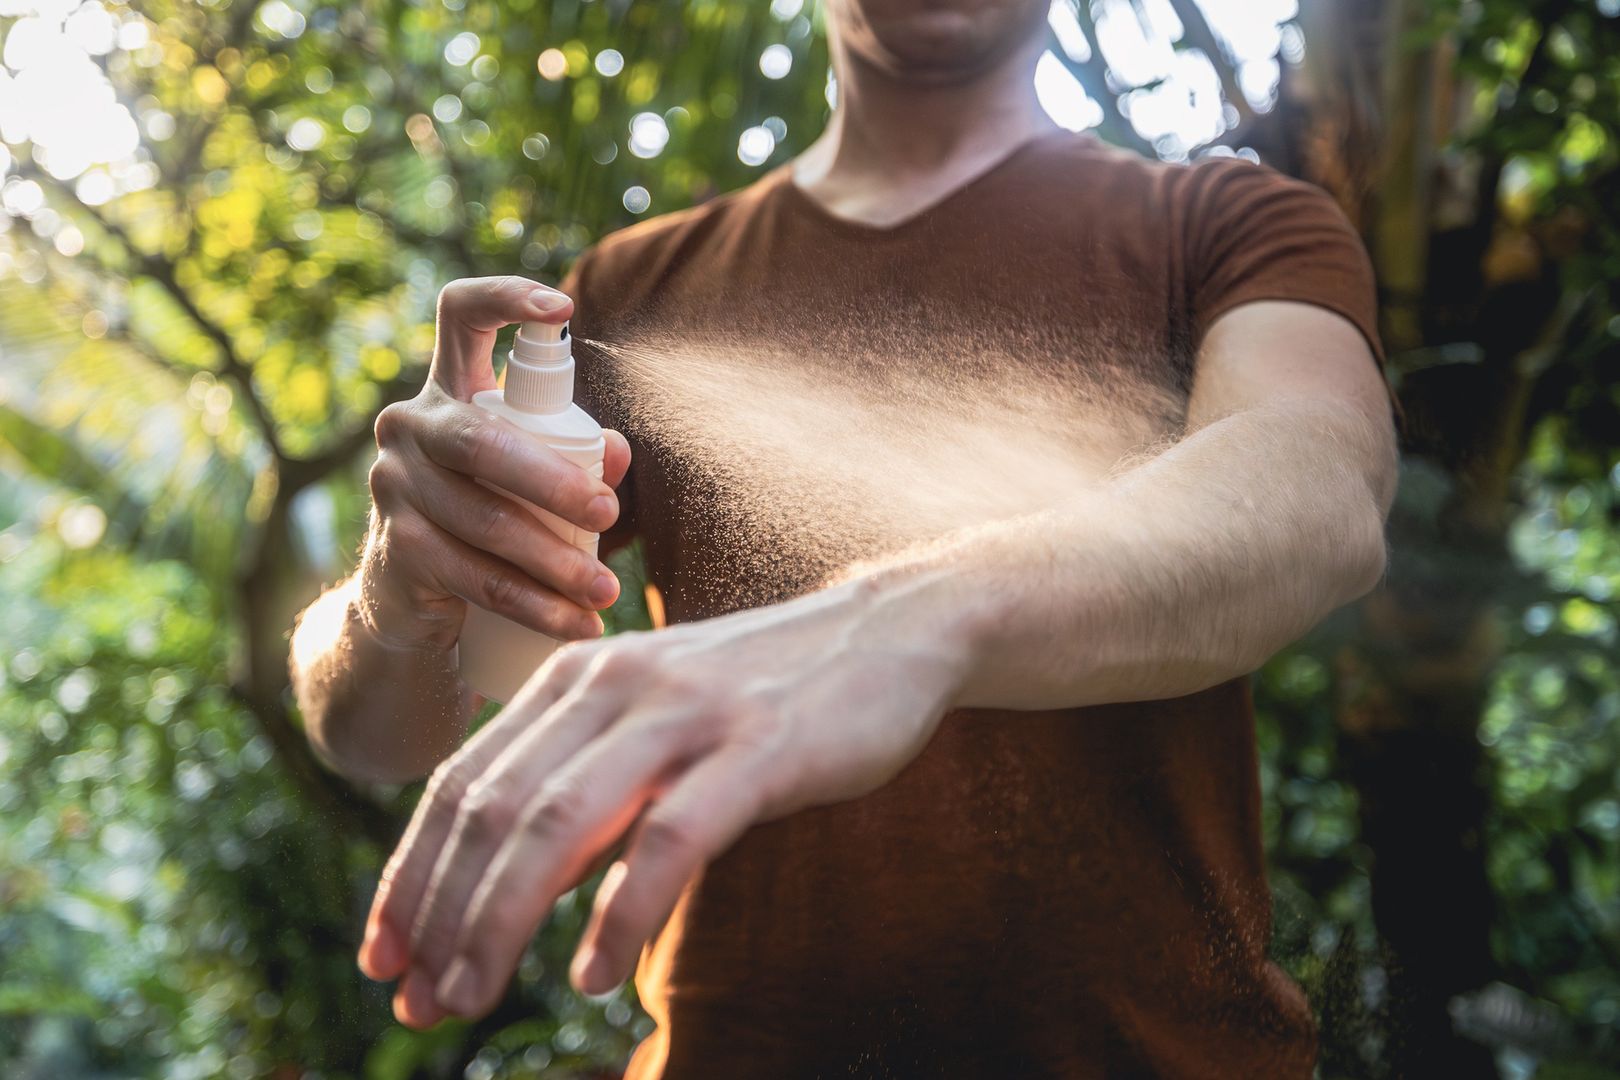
542, 343
543, 333
540, 371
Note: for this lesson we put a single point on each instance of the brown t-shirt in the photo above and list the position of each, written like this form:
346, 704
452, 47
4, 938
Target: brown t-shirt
1075, 893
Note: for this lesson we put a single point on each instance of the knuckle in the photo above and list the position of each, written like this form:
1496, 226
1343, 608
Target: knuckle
496, 520
513, 285
503, 593
448, 783
675, 728
571, 660
475, 444
622, 661
392, 423
383, 478
766, 729
579, 490
465, 443
486, 811
455, 292
390, 874
682, 685
560, 488
580, 571
558, 811
665, 834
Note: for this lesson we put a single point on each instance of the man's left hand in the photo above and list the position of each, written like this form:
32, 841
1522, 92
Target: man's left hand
682, 739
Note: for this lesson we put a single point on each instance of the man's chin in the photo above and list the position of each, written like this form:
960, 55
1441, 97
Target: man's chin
935, 47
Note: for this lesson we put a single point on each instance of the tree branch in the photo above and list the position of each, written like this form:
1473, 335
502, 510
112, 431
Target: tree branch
299, 473
162, 270
1196, 31
1092, 75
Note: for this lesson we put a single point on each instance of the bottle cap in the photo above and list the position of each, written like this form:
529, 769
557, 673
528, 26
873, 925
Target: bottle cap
540, 369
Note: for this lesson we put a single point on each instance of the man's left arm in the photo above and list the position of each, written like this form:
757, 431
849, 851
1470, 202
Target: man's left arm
1179, 573
1202, 562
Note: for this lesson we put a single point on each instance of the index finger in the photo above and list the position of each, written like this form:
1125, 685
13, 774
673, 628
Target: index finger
470, 312
465, 439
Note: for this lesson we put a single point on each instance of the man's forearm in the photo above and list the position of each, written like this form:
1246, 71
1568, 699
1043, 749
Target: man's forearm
1178, 574
375, 709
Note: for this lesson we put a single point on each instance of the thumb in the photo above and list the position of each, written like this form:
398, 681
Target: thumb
471, 311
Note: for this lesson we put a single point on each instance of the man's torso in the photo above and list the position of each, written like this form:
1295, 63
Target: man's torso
1068, 893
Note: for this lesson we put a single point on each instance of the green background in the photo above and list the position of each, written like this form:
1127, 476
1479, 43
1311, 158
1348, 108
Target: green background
185, 405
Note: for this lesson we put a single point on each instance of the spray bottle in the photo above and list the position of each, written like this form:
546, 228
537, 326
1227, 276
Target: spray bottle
497, 655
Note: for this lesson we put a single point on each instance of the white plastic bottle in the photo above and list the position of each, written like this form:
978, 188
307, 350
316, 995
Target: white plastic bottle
497, 656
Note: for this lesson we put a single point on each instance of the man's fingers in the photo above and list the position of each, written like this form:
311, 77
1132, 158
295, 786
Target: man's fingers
467, 440
414, 1004
456, 567
471, 310
493, 808
701, 816
481, 518
616, 458
579, 812
385, 953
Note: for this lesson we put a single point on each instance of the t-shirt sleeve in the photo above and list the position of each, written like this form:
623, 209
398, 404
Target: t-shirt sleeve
1253, 234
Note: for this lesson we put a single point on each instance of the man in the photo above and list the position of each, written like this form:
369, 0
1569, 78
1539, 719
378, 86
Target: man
986, 807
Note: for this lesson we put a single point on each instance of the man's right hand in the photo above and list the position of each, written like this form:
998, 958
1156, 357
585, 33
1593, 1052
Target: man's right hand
439, 540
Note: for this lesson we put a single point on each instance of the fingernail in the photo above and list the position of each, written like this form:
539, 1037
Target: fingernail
458, 990
379, 952
368, 948
422, 1008
548, 299
401, 1011
369, 939
603, 508
604, 589
581, 971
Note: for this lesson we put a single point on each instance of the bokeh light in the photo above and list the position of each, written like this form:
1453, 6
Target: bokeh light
553, 65
535, 146
776, 61
476, 140
609, 62
306, 134
462, 48
755, 145
649, 134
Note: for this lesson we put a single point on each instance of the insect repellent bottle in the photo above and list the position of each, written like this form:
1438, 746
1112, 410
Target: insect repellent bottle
497, 655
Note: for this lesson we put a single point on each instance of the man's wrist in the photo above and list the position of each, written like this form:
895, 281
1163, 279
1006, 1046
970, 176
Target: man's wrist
921, 611
385, 618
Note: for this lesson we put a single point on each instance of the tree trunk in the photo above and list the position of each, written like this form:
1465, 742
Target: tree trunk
1413, 685
266, 598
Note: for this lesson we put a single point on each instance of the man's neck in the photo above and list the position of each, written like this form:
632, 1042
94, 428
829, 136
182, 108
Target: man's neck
894, 147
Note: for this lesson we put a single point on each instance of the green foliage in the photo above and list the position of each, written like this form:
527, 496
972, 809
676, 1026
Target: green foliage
184, 399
